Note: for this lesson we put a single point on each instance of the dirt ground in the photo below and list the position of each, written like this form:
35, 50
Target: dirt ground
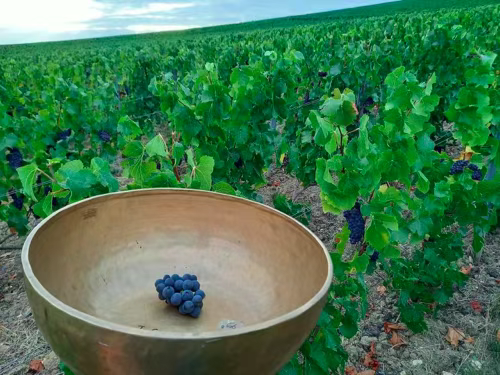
425, 353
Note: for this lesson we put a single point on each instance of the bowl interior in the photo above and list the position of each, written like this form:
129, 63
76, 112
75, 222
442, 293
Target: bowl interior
102, 256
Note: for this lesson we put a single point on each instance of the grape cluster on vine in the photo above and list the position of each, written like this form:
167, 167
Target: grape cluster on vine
459, 166
181, 292
17, 200
355, 223
15, 158
104, 136
61, 136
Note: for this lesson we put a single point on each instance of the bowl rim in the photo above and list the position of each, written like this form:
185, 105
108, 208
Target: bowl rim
125, 329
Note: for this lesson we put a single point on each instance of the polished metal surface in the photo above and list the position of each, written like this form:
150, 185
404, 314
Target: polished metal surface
90, 270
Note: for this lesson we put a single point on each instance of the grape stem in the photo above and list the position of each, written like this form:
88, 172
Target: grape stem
46, 175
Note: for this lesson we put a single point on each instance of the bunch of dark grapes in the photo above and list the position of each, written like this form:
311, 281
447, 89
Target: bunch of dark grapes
239, 163
459, 166
15, 158
181, 292
374, 256
476, 173
322, 74
355, 223
104, 136
63, 135
17, 200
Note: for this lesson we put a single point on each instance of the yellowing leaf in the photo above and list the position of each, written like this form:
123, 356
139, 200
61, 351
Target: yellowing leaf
454, 336
397, 340
383, 188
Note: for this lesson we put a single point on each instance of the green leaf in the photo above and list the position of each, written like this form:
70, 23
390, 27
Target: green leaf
377, 235
396, 77
44, 207
223, 187
76, 178
442, 189
341, 239
10, 140
128, 128
178, 152
190, 157
360, 263
422, 183
388, 221
203, 172
141, 171
391, 252
101, 170
27, 175
133, 149
349, 327
292, 368
157, 146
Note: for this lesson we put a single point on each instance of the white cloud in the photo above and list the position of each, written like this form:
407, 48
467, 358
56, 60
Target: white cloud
53, 16
69, 16
156, 28
151, 8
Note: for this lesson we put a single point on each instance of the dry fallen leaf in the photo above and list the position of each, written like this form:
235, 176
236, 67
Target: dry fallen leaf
369, 360
389, 327
466, 270
498, 335
366, 372
476, 306
36, 366
454, 336
382, 290
470, 340
350, 370
396, 340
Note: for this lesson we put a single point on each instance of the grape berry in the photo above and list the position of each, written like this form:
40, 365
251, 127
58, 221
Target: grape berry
181, 292
355, 223
459, 166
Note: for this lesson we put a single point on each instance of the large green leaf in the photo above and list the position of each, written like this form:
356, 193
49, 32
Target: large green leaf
157, 146
128, 128
203, 172
101, 170
224, 187
377, 235
27, 175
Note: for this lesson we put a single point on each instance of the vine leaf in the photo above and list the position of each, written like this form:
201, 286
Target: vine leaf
101, 170
377, 235
157, 146
128, 128
203, 172
27, 175
223, 187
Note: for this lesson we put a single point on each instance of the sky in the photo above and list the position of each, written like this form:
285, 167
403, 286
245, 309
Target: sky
27, 21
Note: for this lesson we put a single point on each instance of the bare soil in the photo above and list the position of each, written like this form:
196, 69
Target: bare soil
425, 353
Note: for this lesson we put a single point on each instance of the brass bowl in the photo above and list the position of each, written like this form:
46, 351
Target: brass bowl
90, 270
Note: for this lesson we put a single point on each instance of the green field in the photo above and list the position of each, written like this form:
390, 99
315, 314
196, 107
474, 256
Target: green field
358, 102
